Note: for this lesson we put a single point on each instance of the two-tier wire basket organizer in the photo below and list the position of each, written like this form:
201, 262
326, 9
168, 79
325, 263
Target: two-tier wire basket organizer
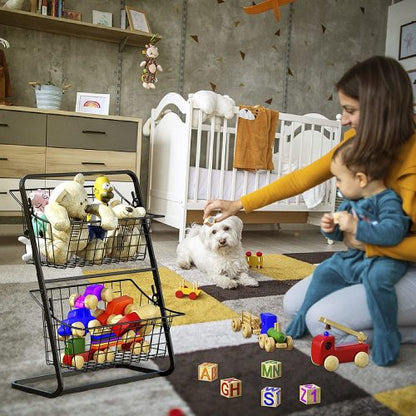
103, 320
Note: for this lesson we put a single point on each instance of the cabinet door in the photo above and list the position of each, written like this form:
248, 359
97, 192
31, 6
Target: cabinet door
22, 128
76, 160
17, 161
92, 133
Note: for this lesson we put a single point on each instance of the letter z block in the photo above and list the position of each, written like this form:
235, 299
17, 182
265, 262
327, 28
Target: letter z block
207, 371
310, 394
231, 387
271, 396
271, 369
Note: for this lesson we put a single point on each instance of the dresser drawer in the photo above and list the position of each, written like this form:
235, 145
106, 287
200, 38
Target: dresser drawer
21, 128
17, 161
76, 160
7, 202
92, 133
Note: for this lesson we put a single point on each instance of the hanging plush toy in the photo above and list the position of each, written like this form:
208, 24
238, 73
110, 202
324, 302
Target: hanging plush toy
150, 67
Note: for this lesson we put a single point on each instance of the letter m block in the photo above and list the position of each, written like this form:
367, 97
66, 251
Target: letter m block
271, 369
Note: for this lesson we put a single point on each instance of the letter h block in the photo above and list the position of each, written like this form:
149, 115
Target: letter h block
207, 371
271, 369
310, 394
271, 396
231, 387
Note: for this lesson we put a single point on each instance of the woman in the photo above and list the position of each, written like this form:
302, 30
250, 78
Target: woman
377, 103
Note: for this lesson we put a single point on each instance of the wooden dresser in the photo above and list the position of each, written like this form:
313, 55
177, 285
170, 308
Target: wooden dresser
52, 141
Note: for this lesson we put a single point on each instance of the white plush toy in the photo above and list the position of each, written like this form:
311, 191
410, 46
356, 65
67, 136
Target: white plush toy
124, 242
28, 255
212, 104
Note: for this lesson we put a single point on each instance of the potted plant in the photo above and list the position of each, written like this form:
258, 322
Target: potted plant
48, 96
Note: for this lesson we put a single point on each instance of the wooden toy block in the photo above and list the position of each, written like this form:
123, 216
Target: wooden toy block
231, 387
115, 307
207, 371
271, 369
309, 394
271, 396
75, 346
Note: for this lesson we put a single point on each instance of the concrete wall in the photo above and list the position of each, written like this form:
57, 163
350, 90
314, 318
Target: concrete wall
244, 56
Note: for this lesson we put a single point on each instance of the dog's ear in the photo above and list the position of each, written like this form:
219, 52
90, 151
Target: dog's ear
238, 224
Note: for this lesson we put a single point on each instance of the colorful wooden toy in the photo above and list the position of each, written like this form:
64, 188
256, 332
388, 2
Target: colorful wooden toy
254, 260
271, 369
231, 387
248, 323
207, 371
275, 338
125, 323
74, 346
76, 323
193, 292
271, 396
76, 360
310, 394
92, 295
115, 307
325, 352
268, 320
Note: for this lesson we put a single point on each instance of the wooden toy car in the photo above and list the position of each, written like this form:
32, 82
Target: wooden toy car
254, 260
325, 352
248, 323
193, 292
275, 338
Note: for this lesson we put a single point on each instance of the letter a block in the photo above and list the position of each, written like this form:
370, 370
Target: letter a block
271, 396
207, 371
271, 369
310, 394
231, 387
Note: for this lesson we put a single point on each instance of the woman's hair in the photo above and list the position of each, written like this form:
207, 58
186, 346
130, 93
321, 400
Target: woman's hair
384, 91
374, 167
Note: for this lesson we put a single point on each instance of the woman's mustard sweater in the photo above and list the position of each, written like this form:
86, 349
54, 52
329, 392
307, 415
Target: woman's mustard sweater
401, 178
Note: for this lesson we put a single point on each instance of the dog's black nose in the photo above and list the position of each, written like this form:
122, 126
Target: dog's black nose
222, 241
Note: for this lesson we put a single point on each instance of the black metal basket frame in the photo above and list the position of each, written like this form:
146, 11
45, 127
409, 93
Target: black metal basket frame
48, 287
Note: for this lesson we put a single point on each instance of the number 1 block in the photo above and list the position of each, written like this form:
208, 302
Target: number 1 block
310, 394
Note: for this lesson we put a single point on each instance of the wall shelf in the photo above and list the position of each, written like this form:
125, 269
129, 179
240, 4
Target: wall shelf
61, 26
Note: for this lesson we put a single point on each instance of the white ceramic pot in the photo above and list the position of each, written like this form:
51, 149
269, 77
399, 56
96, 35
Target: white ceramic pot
48, 97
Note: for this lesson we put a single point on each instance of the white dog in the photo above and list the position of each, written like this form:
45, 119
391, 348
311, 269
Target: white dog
216, 250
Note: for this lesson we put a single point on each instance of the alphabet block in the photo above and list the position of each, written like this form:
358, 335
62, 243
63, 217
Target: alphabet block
271, 369
309, 394
207, 371
271, 396
231, 387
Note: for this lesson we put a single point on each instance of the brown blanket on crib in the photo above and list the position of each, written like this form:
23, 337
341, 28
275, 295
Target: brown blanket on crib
255, 137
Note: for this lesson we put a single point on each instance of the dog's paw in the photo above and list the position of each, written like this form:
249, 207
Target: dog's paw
183, 264
225, 282
247, 280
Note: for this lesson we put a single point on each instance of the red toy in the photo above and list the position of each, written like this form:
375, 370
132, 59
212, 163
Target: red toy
325, 352
115, 307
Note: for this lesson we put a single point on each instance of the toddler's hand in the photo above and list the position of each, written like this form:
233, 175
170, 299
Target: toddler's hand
346, 222
327, 223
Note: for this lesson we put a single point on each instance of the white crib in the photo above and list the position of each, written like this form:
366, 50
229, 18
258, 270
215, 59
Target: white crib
191, 162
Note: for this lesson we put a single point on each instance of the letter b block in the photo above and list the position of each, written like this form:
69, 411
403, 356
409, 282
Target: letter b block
271, 396
207, 371
231, 387
271, 369
310, 394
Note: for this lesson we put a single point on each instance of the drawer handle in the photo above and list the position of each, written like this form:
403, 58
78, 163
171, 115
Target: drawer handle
93, 163
4, 125
4, 158
93, 132
3, 193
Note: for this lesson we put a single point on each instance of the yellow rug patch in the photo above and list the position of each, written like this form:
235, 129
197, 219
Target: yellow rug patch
203, 309
280, 267
402, 401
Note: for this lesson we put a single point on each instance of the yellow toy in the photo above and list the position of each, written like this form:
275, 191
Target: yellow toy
193, 292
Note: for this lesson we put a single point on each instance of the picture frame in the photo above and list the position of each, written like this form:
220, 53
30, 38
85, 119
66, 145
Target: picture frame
102, 18
137, 20
412, 76
407, 47
92, 103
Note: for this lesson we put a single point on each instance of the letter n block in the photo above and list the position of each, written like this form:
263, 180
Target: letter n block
271, 369
207, 371
310, 394
231, 387
271, 396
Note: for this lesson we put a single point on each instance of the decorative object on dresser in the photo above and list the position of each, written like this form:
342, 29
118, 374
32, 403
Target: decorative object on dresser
92, 103
48, 96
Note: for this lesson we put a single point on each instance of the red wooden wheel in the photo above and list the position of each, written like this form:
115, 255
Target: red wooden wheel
192, 296
179, 294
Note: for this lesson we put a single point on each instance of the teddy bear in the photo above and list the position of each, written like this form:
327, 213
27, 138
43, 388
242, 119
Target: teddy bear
150, 67
211, 105
124, 243
69, 201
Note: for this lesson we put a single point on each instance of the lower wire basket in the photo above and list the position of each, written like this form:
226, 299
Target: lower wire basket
91, 333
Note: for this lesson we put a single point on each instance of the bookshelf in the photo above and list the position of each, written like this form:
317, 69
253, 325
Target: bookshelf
61, 26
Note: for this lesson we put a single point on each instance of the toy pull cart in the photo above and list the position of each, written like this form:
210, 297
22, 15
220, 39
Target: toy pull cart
103, 320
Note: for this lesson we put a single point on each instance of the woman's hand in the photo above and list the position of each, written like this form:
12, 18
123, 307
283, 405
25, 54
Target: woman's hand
351, 242
226, 208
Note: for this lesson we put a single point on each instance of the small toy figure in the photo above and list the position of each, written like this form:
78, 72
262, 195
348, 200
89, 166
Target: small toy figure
193, 292
255, 260
38, 200
275, 338
91, 296
150, 67
248, 323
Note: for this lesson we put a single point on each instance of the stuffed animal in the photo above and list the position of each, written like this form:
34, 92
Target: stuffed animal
38, 200
212, 104
124, 242
150, 67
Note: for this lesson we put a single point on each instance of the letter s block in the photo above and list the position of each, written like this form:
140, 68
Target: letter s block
207, 371
310, 394
231, 387
271, 396
271, 369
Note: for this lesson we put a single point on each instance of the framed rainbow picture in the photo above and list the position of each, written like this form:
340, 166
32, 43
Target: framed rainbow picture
92, 103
